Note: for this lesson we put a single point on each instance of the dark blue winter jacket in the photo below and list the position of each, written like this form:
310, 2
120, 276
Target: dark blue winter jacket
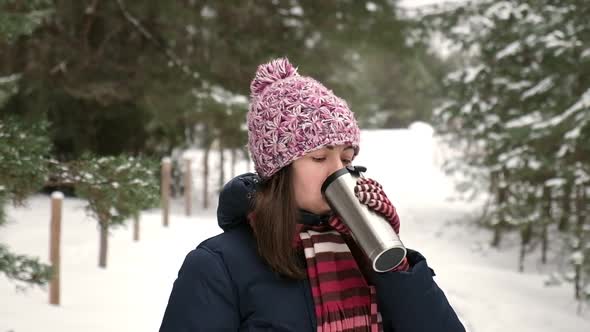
224, 285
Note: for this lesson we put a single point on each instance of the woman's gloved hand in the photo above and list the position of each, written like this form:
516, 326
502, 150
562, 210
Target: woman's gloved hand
370, 193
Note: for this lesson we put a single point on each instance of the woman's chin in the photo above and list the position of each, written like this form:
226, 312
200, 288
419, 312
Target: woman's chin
325, 210
320, 210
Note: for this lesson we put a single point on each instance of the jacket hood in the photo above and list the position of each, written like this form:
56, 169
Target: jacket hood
236, 200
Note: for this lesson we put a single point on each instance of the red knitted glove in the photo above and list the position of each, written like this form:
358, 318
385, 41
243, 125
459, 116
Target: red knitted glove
370, 193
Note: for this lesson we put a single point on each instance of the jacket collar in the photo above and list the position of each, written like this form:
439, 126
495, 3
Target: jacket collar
236, 201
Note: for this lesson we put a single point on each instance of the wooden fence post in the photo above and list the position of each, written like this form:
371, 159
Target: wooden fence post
54, 247
136, 227
165, 190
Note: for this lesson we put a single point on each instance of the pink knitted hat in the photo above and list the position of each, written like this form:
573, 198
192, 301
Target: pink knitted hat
291, 115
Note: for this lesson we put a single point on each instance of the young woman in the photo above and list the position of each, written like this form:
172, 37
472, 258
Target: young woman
285, 262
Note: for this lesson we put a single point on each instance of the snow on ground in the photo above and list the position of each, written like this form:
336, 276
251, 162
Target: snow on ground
131, 294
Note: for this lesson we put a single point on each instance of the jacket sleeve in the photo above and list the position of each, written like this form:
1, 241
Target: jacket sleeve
410, 301
203, 297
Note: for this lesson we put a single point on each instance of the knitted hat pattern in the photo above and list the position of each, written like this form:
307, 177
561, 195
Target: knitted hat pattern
292, 115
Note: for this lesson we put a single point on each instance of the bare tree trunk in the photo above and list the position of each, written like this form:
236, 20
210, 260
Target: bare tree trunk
165, 190
188, 187
581, 209
501, 200
526, 232
248, 160
525, 238
565, 207
206, 176
580, 221
497, 236
104, 240
233, 162
578, 281
221, 165
545, 220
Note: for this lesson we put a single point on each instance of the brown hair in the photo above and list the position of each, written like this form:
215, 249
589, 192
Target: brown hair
274, 224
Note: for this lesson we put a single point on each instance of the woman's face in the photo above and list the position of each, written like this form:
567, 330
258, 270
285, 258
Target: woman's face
310, 172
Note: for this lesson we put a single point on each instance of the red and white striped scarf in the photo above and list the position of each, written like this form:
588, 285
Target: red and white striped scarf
343, 299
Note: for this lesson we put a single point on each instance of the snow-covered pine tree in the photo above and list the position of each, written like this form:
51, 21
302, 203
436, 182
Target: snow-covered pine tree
117, 188
22, 171
520, 102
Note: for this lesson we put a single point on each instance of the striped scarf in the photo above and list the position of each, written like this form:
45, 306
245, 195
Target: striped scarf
343, 299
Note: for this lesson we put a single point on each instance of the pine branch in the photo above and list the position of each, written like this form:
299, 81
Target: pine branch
175, 59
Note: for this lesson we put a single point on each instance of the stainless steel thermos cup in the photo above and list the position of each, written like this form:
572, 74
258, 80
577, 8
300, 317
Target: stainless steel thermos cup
371, 231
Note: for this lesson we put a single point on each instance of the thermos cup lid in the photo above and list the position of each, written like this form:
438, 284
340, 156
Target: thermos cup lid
355, 170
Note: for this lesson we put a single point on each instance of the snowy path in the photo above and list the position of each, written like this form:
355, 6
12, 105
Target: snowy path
487, 291
132, 293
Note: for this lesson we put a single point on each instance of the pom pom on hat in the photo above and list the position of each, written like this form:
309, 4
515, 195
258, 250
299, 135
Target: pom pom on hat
291, 115
271, 72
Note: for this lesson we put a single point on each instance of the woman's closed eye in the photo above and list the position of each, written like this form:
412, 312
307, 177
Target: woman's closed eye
322, 159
